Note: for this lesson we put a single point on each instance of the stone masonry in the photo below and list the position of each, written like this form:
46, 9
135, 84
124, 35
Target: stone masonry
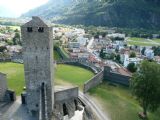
3, 86
37, 39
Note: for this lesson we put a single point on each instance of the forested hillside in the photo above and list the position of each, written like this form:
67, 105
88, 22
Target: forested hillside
112, 13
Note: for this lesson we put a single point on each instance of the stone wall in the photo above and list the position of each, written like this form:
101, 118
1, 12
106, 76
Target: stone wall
3, 86
61, 53
62, 95
93, 82
65, 102
114, 77
82, 63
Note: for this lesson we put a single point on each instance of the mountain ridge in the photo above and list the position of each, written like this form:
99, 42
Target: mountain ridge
112, 13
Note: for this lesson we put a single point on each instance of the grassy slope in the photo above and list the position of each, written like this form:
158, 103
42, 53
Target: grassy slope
64, 73
119, 103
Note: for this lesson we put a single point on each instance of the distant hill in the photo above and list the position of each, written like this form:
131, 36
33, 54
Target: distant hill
112, 13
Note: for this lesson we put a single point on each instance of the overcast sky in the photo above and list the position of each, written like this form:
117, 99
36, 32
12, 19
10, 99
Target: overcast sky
14, 8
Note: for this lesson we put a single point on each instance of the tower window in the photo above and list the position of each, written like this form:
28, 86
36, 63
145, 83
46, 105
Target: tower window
29, 29
40, 29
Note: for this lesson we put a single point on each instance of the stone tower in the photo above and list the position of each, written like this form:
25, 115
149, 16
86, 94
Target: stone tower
37, 39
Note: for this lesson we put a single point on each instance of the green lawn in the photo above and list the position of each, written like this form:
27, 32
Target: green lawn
15, 76
119, 103
72, 75
137, 39
138, 43
142, 42
14, 27
156, 40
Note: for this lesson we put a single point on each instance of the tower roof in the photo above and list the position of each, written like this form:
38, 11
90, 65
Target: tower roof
35, 22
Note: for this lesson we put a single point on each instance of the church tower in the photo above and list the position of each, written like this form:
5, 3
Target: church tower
37, 39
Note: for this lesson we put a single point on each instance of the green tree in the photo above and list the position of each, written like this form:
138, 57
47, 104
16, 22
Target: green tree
143, 50
118, 58
132, 67
145, 86
102, 54
132, 55
3, 48
16, 39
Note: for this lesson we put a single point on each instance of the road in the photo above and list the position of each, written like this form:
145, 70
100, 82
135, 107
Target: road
96, 110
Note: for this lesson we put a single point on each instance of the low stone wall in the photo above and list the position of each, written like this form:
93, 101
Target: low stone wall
82, 63
61, 52
93, 82
62, 95
3, 86
66, 102
5, 60
116, 77
5, 93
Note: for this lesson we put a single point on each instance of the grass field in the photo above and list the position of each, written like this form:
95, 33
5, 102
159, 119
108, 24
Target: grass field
156, 40
142, 42
137, 39
72, 75
14, 27
119, 103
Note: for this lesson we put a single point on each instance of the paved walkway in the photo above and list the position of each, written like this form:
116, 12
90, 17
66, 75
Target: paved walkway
14, 111
96, 110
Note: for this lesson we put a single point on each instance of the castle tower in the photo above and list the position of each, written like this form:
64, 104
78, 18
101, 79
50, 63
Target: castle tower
38, 63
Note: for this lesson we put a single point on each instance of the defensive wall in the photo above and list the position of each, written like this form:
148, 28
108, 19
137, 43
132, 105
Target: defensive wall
115, 77
82, 63
6, 95
93, 82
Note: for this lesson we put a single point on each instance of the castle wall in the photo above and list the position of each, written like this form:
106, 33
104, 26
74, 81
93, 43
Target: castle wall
63, 95
93, 82
115, 77
65, 102
3, 86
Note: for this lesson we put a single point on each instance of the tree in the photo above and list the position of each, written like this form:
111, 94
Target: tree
132, 67
102, 54
156, 50
132, 55
16, 39
118, 58
145, 86
3, 48
143, 50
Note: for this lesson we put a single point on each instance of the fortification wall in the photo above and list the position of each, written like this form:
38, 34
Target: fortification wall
61, 52
66, 102
3, 86
93, 82
115, 77
62, 95
82, 63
